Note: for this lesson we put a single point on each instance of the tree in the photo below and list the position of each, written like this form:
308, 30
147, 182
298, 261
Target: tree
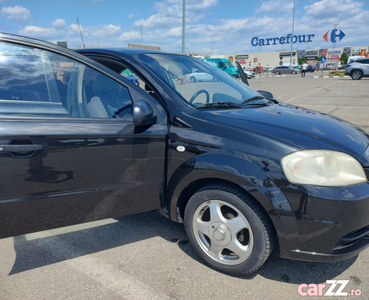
301, 60
344, 58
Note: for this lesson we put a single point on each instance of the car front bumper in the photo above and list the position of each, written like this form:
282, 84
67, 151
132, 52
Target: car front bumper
330, 224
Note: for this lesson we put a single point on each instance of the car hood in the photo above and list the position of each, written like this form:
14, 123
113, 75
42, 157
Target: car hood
298, 127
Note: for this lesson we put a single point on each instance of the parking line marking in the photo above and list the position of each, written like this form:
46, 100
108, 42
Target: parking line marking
321, 88
68, 229
106, 274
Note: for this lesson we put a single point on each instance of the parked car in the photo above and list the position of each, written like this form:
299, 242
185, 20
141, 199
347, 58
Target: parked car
130, 76
225, 65
284, 70
249, 74
331, 66
197, 75
244, 173
310, 68
258, 70
354, 58
358, 69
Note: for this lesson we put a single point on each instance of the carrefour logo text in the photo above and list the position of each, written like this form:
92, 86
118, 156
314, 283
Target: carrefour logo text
305, 38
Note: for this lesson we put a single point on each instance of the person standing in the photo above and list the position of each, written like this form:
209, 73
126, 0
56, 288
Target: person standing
303, 69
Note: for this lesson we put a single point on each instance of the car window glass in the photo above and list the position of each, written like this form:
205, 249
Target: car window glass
39, 82
132, 77
127, 73
197, 82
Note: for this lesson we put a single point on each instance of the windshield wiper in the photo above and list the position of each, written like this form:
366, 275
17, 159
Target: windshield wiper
257, 97
220, 105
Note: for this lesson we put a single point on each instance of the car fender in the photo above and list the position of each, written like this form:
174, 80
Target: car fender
206, 168
356, 69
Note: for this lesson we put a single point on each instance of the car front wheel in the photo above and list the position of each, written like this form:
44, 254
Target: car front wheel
356, 74
228, 230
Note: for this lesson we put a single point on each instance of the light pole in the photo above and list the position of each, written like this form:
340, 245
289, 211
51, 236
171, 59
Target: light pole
211, 46
141, 37
83, 42
183, 26
293, 29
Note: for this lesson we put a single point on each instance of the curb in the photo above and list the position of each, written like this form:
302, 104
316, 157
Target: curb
324, 76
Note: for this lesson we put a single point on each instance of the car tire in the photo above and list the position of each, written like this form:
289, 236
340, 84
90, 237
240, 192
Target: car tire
356, 74
294, 72
228, 230
277, 73
192, 79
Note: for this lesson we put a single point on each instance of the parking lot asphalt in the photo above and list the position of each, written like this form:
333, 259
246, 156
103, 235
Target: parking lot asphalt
341, 97
146, 256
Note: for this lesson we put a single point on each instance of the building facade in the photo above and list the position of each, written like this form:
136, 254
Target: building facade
273, 59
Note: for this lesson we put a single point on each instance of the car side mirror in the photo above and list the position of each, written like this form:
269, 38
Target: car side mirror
143, 114
266, 94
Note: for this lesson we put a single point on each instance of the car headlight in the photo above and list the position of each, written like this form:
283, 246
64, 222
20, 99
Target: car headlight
322, 168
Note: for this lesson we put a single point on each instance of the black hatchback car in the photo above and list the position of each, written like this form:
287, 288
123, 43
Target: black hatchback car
244, 173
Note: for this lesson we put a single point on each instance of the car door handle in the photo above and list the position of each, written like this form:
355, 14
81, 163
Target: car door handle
20, 148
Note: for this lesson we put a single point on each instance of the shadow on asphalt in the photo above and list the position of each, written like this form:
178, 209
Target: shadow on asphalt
297, 272
292, 271
36, 253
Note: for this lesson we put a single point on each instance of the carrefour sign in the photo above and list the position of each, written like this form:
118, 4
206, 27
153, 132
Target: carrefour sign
305, 38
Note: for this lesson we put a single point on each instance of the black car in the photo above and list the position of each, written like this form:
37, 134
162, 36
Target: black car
244, 173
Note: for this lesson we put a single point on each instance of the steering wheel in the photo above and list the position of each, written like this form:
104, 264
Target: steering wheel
116, 114
198, 93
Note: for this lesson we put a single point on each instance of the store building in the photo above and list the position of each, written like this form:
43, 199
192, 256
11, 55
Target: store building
273, 59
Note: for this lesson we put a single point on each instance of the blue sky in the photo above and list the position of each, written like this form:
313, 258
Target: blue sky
217, 26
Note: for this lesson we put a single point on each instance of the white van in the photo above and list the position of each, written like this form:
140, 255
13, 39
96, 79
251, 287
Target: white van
331, 65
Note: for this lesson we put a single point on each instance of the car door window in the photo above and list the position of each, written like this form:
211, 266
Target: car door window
39, 82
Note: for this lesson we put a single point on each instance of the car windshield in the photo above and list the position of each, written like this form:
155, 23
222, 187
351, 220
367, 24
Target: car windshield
198, 82
229, 64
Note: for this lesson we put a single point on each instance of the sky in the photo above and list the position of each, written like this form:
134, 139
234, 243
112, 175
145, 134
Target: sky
212, 26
